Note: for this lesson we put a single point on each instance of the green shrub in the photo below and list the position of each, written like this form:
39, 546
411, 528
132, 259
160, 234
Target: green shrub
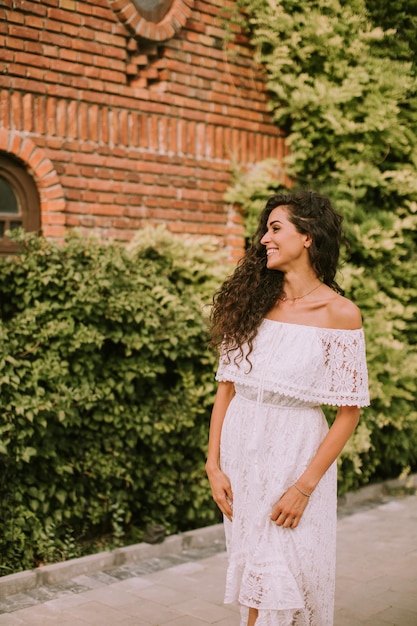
343, 90
385, 288
106, 385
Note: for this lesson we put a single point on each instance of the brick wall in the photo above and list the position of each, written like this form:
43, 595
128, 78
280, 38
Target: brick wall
118, 130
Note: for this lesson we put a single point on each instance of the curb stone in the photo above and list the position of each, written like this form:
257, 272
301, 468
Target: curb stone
375, 494
137, 553
209, 537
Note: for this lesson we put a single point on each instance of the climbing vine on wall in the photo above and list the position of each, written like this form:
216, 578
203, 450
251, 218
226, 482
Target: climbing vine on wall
342, 85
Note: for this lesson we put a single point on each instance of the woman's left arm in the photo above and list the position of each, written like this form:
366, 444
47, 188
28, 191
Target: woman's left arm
346, 420
288, 510
343, 314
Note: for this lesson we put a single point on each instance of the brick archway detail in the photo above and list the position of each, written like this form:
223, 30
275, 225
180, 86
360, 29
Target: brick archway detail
168, 27
51, 194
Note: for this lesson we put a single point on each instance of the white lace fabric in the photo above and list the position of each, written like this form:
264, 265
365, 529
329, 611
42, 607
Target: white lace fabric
271, 431
320, 365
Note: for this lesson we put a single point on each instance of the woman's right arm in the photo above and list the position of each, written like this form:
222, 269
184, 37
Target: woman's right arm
220, 484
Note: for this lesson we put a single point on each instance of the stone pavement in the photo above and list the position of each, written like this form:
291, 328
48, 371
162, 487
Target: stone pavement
376, 580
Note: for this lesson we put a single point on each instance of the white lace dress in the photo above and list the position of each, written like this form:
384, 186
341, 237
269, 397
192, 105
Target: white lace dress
272, 429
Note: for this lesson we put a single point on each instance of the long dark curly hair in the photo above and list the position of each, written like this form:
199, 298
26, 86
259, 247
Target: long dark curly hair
252, 290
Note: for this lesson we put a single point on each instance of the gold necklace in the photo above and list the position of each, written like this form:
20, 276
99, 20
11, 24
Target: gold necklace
284, 298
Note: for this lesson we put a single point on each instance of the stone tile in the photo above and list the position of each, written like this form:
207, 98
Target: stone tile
17, 601
365, 605
162, 595
95, 614
402, 599
103, 577
137, 621
347, 618
205, 611
67, 603
230, 621
213, 593
167, 578
151, 612
10, 620
44, 615
405, 582
185, 620
133, 585
111, 596
121, 573
44, 594
395, 617
88, 582
189, 568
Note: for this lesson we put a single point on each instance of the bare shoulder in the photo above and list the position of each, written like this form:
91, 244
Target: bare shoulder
343, 313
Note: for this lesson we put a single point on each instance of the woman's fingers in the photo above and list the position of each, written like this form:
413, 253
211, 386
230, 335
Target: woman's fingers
225, 505
222, 494
285, 520
289, 509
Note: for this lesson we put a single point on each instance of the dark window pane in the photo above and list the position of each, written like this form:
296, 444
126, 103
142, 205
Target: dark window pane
1, 230
15, 224
8, 200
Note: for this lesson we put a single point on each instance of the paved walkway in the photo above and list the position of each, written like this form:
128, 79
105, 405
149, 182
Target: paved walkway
376, 582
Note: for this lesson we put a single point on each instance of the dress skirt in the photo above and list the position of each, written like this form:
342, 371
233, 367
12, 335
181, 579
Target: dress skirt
287, 574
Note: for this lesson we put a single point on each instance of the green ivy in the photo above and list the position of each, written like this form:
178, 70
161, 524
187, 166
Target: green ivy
106, 385
342, 85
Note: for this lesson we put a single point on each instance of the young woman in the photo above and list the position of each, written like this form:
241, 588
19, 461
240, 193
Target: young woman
290, 342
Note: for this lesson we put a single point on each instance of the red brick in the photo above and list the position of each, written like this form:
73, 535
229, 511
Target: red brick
51, 116
27, 103
16, 70
61, 117
70, 16
54, 232
12, 43
52, 193
83, 126
126, 152
16, 110
36, 159
15, 143
22, 32
4, 109
4, 139
72, 120
27, 149
55, 219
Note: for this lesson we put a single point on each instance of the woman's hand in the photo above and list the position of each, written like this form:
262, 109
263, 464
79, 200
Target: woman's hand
222, 491
289, 509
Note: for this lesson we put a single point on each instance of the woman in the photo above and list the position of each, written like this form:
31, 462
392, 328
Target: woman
289, 342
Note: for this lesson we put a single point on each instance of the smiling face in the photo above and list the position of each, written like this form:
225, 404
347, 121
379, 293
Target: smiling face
285, 246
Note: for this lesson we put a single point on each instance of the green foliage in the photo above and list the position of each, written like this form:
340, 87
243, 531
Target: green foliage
106, 384
343, 86
400, 15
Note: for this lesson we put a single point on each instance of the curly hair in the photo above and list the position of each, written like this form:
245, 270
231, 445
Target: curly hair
246, 296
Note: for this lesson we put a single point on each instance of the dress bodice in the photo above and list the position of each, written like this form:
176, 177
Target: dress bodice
307, 363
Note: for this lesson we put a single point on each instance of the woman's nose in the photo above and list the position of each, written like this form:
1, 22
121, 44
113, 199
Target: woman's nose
264, 239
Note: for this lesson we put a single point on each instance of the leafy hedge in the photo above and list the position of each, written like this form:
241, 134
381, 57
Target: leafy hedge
343, 86
106, 386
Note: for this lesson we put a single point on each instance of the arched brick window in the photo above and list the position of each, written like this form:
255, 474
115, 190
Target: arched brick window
19, 201
153, 10
153, 20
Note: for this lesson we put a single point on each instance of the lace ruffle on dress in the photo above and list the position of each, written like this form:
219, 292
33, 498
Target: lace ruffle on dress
271, 431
